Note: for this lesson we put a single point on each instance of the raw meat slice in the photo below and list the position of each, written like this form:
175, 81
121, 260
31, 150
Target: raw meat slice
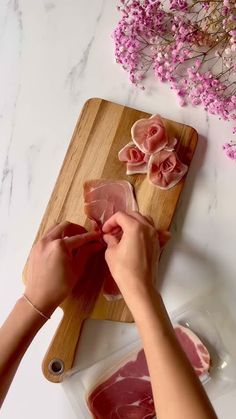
127, 393
100, 210
196, 352
102, 199
136, 160
165, 169
103, 193
171, 144
149, 135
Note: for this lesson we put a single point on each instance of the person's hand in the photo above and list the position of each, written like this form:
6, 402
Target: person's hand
133, 250
56, 263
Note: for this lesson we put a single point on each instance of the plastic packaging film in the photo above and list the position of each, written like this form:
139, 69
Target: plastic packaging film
207, 316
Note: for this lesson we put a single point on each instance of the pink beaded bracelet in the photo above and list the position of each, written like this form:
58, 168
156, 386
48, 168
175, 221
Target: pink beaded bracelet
35, 308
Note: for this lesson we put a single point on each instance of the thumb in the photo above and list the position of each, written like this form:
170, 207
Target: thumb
74, 242
110, 240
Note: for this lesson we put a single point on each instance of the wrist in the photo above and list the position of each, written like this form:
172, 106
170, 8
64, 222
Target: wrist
152, 315
28, 315
41, 302
41, 313
39, 305
143, 296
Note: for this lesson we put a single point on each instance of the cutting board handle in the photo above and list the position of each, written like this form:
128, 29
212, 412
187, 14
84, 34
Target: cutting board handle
61, 352
77, 308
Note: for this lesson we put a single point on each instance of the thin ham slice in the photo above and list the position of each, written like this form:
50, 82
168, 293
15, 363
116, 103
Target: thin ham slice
102, 199
105, 197
136, 161
150, 135
165, 169
126, 392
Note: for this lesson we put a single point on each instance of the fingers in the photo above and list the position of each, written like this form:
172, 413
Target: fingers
73, 230
57, 231
144, 219
74, 242
110, 240
124, 221
119, 219
150, 220
63, 229
50, 229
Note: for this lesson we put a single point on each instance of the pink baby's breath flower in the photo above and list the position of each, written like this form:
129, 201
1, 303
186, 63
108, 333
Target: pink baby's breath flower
177, 45
230, 149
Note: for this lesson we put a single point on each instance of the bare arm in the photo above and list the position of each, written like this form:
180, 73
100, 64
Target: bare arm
52, 272
177, 390
132, 260
16, 334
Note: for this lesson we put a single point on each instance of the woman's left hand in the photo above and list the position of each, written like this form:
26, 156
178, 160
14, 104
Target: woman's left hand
56, 263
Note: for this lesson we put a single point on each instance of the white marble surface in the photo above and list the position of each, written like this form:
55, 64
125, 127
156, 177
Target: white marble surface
54, 55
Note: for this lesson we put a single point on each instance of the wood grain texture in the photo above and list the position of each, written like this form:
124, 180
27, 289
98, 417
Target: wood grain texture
102, 130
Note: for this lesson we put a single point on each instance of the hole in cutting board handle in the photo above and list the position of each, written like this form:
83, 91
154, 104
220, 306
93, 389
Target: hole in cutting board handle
56, 366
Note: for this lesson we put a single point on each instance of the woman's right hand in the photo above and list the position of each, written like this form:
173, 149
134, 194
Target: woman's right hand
133, 250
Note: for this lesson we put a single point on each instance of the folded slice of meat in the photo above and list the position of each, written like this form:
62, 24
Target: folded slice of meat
102, 199
195, 350
165, 169
126, 392
136, 161
150, 135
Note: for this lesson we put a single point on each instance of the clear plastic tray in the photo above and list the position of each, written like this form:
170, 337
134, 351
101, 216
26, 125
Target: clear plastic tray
77, 384
208, 317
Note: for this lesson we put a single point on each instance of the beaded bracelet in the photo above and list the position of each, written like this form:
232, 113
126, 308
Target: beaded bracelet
35, 308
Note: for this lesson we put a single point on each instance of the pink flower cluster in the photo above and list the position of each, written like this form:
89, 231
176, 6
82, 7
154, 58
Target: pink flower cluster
192, 46
180, 5
230, 150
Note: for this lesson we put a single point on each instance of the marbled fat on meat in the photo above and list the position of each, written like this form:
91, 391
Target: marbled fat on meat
127, 392
196, 352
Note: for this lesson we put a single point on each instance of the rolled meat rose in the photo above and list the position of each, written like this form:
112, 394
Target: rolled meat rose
165, 169
136, 160
150, 135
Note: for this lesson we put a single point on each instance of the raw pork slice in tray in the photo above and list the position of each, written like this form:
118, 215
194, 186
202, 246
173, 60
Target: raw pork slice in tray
126, 392
102, 199
195, 350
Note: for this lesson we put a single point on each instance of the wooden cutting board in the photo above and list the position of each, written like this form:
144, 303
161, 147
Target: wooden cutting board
102, 130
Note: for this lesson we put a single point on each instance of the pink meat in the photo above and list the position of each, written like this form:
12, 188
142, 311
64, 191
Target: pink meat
136, 161
196, 352
149, 135
108, 197
165, 169
127, 393
103, 198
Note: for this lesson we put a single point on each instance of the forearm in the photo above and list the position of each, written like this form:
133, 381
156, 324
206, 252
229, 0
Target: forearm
177, 391
16, 334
